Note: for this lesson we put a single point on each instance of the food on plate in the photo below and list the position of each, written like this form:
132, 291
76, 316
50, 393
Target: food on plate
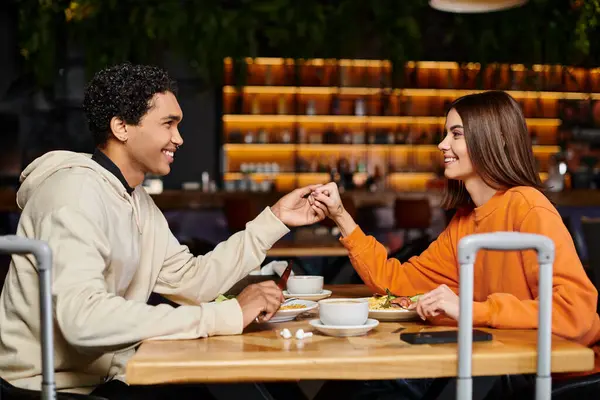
390, 301
292, 306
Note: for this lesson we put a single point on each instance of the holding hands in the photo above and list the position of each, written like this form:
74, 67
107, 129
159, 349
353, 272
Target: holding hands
296, 208
326, 199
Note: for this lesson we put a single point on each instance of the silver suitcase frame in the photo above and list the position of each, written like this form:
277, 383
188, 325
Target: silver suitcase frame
504, 241
43, 256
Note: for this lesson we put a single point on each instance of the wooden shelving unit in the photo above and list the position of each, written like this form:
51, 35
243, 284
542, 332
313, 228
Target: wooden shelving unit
294, 119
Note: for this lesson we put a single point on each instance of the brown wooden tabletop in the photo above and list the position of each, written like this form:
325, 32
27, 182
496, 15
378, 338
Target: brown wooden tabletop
182, 199
261, 354
329, 248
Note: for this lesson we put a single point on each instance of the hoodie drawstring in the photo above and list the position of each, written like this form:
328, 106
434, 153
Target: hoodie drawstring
135, 204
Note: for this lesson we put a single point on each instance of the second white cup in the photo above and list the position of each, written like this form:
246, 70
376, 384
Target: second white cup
305, 284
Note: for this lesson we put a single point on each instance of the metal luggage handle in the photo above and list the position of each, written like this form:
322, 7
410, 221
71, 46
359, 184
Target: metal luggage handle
467, 250
43, 255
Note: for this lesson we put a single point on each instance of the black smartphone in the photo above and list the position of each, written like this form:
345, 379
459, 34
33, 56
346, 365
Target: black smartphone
438, 337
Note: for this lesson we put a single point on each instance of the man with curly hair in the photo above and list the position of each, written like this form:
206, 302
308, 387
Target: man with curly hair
112, 248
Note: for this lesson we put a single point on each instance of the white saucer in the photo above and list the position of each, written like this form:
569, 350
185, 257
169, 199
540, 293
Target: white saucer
344, 331
313, 296
289, 315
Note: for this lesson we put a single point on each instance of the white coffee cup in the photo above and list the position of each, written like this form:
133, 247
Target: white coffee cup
344, 312
305, 284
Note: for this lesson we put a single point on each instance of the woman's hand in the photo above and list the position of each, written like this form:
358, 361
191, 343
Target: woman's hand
440, 300
327, 199
329, 196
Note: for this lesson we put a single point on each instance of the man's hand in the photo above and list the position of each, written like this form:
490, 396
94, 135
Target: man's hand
440, 300
295, 208
258, 298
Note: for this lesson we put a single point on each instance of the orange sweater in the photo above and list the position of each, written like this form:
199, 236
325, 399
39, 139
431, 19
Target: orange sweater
506, 283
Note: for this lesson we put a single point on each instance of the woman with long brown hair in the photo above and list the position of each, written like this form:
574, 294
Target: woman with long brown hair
494, 185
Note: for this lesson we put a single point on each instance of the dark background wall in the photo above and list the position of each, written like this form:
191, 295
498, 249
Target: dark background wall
54, 120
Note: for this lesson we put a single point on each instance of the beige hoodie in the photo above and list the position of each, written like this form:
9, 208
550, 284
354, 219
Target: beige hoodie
111, 250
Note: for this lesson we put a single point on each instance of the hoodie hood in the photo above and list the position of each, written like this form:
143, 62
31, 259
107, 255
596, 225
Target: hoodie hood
45, 166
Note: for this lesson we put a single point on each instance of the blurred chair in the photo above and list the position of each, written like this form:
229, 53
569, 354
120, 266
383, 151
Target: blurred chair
591, 237
576, 238
412, 215
238, 212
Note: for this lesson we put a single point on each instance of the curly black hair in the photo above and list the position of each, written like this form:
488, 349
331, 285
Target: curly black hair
123, 91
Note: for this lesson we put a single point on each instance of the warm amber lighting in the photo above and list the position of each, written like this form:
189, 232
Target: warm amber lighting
365, 63
259, 119
245, 119
338, 148
274, 61
285, 181
415, 147
261, 148
546, 150
261, 90
410, 181
232, 176
446, 93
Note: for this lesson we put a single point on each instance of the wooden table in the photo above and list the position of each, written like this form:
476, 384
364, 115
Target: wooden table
327, 248
192, 200
261, 354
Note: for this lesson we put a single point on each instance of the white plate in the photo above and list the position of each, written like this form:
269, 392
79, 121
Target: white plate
289, 315
393, 315
344, 331
313, 296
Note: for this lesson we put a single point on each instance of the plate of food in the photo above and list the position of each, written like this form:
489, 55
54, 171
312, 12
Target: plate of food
291, 309
389, 307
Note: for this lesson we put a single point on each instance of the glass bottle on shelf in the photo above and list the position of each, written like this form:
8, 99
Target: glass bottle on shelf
391, 137
352, 164
534, 137
255, 106
343, 71
335, 105
301, 136
263, 136
359, 107
400, 136
358, 137
268, 76
317, 137
539, 108
385, 106
410, 137
311, 107
361, 166
249, 137
347, 137
372, 137
286, 137
449, 78
281, 105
